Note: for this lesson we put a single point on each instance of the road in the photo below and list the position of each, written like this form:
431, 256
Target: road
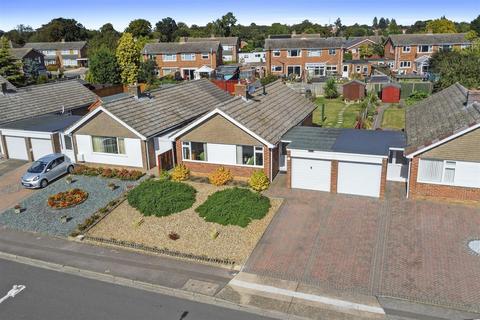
56, 295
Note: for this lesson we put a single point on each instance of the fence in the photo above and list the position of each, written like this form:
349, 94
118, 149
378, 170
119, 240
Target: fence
407, 88
226, 85
111, 90
315, 88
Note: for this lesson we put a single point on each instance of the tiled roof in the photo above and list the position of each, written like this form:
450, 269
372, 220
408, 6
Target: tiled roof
428, 39
270, 116
169, 107
20, 53
304, 43
177, 47
439, 116
356, 40
72, 45
10, 87
42, 99
228, 41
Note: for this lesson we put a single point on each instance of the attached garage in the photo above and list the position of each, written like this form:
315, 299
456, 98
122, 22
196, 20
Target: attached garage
17, 148
358, 178
41, 147
312, 174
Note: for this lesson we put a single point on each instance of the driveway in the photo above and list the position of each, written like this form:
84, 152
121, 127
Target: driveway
11, 191
414, 250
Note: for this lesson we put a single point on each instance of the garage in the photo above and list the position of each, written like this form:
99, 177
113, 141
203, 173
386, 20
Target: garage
41, 147
311, 174
16, 148
362, 179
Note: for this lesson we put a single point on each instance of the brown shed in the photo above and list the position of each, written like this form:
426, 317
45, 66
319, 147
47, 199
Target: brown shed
354, 90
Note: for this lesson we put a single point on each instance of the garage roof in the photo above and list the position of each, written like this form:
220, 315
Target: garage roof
356, 141
46, 123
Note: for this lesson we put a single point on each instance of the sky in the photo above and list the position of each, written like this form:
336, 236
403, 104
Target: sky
94, 13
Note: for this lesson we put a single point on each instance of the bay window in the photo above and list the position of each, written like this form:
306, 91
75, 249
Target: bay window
113, 145
250, 155
194, 151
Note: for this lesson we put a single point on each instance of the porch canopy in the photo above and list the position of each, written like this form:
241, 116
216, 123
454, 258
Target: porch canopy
203, 70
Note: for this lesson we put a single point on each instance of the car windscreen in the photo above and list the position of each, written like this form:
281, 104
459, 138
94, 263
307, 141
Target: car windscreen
37, 167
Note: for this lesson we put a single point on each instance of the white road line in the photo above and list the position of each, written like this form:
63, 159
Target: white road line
17, 288
306, 296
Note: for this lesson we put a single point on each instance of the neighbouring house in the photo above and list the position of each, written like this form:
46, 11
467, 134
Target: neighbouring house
354, 45
185, 58
32, 119
304, 56
354, 90
64, 54
252, 57
230, 46
27, 55
411, 52
134, 130
443, 145
348, 161
244, 134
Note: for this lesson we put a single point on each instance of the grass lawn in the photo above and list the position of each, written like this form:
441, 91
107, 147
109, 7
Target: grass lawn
394, 118
332, 109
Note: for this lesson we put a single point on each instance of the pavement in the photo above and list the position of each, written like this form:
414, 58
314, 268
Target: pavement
54, 295
11, 191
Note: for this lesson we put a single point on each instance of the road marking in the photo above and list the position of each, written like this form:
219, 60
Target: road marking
306, 296
17, 288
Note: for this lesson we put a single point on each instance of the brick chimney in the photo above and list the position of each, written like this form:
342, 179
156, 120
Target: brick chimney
134, 90
240, 90
473, 96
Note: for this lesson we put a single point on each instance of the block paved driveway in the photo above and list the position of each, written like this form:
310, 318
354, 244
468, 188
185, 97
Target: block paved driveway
415, 250
11, 190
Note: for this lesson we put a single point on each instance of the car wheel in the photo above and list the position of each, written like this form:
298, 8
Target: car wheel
43, 183
70, 169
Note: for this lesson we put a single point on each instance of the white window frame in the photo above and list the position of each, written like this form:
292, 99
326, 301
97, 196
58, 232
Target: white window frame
442, 47
205, 56
294, 66
289, 53
188, 145
314, 52
256, 150
405, 64
188, 57
429, 48
406, 49
358, 69
118, 139
168, 57
465, 46
274, 67
276, 53
332, 51
446, 165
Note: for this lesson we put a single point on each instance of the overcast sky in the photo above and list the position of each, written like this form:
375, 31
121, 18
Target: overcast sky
94, 13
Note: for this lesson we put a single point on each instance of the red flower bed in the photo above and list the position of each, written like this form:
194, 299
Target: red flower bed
67, 199
123, 174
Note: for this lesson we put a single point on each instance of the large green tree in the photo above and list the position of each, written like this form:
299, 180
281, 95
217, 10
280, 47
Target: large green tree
139, 28
442, 25
61, 29
278, 28
106, 37
475, 25
128, 57
166, 29
103, 67
225, 24
147, 72
393, 27
10, 68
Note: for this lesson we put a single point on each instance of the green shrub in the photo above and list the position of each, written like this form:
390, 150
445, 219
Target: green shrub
161, 197
234, 207
164, 175
415, 97
259, 181
330, 89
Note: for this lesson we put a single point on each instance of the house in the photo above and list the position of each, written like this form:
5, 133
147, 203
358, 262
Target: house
411, 52
27, 55
252, 57
244, 134
443, 134
304, 56
348, 161
32, 119
64, 54
230, 46
134, 130
184, 57
354, 90
354, 45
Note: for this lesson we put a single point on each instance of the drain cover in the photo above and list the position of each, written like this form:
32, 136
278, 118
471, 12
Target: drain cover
474, 245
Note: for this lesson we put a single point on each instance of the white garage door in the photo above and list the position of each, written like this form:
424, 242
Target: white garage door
16, 148
41, 147
359, 178
311, 174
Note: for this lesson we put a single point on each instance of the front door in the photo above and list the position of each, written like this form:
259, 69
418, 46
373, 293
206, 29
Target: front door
345, 71
188, 74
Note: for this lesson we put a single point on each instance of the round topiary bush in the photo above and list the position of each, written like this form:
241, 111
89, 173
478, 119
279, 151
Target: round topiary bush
161, 197
234, 206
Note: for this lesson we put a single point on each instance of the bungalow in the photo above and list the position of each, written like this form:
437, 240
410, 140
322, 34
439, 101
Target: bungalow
64, 54
184, 57
230, 46
32, 119
244, 133
443, 134
133, 131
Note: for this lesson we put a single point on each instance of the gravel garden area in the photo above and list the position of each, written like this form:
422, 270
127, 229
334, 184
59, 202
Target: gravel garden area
196, 236
38, 216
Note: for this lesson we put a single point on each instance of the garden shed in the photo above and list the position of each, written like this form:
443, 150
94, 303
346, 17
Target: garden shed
391, 93
354, 90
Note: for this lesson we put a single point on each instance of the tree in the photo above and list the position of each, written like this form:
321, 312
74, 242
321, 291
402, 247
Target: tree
382, 23
375, 23
10, 68
338, 26
139, 28
418, 27
330, 89
31, 69
166, 29
225, 24
366, 51
147, 72
278, 28
103, 67
61, 29
475, 25
106, 37
128, 57
393, 28
442, 25
20, 34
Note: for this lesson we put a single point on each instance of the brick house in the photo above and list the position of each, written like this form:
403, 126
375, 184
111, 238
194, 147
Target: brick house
302, 56
183, 57
443, 134
230, 46
411, 52
354, 44
65, 54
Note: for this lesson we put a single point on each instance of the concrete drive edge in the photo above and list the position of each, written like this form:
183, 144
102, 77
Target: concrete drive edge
187, 295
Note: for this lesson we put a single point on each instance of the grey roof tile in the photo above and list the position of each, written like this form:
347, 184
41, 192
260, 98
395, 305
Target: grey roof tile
10, 86
70, 45
228, 41
304, 43
428, 39
177, 47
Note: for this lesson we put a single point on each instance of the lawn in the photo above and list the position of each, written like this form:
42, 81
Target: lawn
196, 234
332, 109
393, 118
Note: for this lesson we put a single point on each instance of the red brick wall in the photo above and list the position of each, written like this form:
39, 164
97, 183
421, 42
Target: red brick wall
213, 61
383, 180
334, 176
289, 169
437, 191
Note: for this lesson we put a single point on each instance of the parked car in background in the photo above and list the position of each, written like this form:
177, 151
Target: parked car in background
46, 169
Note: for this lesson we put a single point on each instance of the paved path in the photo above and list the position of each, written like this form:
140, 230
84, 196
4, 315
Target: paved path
379, 117
54, 295
11, 190
339, 123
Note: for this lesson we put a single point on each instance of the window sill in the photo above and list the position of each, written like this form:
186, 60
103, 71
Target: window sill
123, 155
223, 164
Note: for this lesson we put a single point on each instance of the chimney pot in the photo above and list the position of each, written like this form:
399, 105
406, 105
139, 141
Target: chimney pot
473, 96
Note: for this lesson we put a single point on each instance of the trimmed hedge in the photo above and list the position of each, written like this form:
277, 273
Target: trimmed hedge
161, 197
235, 206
